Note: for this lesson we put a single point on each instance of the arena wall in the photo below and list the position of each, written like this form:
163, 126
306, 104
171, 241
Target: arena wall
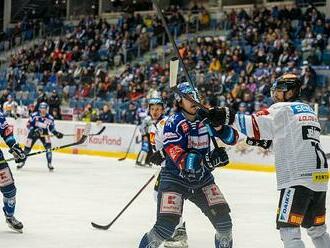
115, 139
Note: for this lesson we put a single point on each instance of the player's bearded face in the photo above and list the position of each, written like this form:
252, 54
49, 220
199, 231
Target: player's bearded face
156, 111
188, 106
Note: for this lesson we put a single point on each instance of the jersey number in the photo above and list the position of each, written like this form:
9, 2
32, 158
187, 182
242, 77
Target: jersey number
319, 154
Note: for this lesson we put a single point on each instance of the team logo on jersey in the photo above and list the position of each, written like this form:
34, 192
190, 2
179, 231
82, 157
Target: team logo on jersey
185, 127
171, 203
311, 133
285, 209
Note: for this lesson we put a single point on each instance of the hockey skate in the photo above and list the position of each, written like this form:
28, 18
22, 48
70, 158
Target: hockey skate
14, 224
50, 167
20, 165
179, 239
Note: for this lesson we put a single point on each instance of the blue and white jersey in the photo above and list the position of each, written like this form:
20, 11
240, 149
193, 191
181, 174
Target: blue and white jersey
182, 136
6, 131
45, 123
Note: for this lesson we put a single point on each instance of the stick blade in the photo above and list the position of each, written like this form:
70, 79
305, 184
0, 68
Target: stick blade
84, 137
174, 67
97, 226
121, 159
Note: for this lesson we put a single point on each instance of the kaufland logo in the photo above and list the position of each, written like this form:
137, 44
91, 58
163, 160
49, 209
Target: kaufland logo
104, 140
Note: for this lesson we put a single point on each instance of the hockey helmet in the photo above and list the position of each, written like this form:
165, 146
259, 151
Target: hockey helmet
286, 82
155, 101
43, 105
186, 88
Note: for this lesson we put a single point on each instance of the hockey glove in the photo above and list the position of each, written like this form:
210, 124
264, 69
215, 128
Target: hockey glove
58, 135
219, 116
265, 144
36, 133
18, 153
216, 158
193, 171
157, 157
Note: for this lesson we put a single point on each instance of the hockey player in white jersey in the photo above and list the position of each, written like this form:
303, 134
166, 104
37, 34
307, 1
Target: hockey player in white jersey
301, 165
156, 111
143, 156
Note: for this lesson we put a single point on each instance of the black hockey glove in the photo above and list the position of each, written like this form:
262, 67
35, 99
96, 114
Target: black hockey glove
219, 116
216, 158
193, 171
157, 157
58, 134
262, 143
18, 153
37, 133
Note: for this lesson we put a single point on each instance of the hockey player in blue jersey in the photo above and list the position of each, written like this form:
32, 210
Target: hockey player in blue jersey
187, 173
7, 184
39, 125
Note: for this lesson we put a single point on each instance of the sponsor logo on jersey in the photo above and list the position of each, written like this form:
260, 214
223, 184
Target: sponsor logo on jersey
311, 133
152, 138
213, 195
296, 219
307, 118
319, 220
5, 177
302, 109
185, 127
198, 142
171, 203
170, 135
174, 151
285, 209
320, 177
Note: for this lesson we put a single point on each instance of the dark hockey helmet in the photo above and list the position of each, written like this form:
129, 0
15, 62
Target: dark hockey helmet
43, 105
286, 82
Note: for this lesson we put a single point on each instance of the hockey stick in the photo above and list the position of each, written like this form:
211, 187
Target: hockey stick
174, 64
176, 50
106, 227
68, 135
79, 142
129, 146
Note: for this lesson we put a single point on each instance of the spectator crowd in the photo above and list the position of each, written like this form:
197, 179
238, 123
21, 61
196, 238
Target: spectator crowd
234, 69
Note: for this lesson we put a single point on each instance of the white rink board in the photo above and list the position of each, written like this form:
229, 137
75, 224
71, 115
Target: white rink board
115, 140
57, 208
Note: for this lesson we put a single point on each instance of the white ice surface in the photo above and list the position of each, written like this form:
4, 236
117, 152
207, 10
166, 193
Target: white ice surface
57, 208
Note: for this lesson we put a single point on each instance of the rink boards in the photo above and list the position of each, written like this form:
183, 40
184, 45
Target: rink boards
115, 140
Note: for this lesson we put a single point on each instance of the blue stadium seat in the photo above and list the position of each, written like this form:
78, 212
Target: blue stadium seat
326, 58
321, 80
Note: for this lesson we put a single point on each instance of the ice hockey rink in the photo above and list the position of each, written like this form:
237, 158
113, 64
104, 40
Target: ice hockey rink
57, 208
